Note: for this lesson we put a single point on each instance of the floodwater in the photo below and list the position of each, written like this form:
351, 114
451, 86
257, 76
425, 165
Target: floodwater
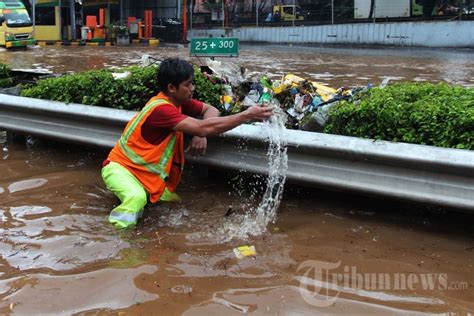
59, 255
327, 252
336, 67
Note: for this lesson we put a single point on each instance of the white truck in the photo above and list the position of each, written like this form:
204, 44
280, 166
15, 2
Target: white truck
386, 9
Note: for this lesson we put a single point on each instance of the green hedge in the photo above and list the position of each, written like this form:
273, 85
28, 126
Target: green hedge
98, 87
207, 91
431, 114
6, 80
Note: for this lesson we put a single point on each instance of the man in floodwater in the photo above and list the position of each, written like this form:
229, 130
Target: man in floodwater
147, 162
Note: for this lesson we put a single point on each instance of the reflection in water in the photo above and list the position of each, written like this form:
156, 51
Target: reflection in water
102, 289
26, 184
21, 211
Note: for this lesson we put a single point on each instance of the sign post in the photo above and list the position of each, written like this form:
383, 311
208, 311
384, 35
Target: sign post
215, 47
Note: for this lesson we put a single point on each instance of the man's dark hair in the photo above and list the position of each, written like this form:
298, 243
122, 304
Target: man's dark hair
174, 71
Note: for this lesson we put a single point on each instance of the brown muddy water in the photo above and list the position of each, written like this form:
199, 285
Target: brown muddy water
333, 66
328, 252
59, 255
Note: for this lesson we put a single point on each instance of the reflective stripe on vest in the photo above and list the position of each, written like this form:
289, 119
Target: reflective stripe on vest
158, 168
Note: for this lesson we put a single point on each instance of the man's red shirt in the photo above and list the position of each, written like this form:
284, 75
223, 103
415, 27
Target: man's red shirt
161, 121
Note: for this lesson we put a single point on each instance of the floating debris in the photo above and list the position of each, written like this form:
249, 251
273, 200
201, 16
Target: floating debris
245, 251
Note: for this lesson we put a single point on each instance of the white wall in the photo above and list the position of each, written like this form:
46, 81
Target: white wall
428, 34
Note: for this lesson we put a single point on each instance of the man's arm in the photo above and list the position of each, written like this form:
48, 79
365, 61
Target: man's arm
198, 145
209, 111
216, 125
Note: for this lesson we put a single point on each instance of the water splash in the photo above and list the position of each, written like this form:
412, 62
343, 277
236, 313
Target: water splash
255, 220
277, 167
250, 218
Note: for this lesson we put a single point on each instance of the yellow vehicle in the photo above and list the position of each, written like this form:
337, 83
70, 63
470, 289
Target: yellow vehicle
16, 27
287, 13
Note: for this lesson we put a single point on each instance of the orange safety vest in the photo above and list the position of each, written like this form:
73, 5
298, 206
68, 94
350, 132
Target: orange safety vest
156, 166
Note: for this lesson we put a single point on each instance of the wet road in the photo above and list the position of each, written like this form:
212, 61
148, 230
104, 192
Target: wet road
334, 66
59, 255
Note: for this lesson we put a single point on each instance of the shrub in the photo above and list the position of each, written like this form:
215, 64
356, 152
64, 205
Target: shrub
206, 90
6, 79
429, 114
98, 87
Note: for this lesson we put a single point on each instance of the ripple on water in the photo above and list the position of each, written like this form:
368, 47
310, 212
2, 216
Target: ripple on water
31, 240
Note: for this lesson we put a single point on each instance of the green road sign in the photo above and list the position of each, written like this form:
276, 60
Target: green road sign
219, 47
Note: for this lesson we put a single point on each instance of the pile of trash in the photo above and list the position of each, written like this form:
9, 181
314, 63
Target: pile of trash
305, 102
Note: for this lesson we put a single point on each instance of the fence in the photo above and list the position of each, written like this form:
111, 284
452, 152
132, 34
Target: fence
237, 13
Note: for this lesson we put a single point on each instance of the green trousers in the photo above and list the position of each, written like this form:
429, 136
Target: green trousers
131, 194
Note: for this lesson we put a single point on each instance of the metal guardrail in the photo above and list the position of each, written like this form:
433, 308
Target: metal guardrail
84, 124
419, 173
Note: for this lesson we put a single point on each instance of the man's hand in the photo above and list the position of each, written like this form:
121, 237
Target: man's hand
197, 146
258, 112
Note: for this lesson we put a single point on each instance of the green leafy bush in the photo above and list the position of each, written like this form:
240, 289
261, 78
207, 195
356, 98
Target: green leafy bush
98, 87
431, 114
206, 90
6, 79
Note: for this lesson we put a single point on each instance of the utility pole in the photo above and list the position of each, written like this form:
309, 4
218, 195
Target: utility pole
34, 17
121, 12
60, 22
375, 7
185, 21
332, 11
72, 13
294, 13
256, 11
178, 9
